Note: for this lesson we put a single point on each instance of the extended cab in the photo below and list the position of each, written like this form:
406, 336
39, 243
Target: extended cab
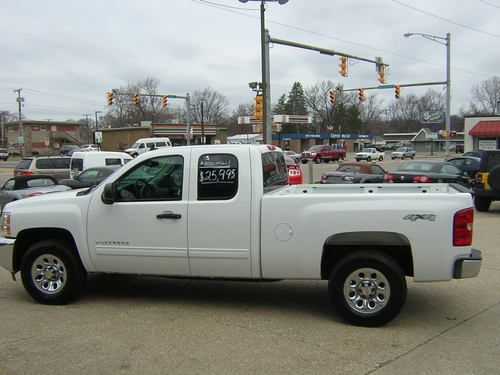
226, 211
324, 153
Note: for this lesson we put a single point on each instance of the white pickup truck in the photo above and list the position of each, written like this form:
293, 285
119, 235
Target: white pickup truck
226, 211
369, 154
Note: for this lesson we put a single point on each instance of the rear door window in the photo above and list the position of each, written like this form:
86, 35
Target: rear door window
61, 163
77, 164
274, 172
113, 161
44, 164
218, 176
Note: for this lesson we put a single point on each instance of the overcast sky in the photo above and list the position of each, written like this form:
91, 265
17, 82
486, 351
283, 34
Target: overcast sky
66, 55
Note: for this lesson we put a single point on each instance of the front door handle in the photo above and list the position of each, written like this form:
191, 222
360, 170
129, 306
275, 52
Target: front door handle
168, 215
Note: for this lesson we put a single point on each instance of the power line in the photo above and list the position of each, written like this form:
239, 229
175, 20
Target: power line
58, 96
490, 4
445, 19
222, 7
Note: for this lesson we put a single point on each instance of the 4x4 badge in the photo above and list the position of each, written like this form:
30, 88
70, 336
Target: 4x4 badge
415, 217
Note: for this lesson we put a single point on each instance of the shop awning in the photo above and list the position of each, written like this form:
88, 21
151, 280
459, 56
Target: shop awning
486, 129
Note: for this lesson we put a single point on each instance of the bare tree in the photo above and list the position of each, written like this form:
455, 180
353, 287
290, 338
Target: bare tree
404, 113
214, 106
486, 95
431, 100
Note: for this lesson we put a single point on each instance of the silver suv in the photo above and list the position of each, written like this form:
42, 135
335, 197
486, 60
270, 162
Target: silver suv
4, 154
57, 166
403, 153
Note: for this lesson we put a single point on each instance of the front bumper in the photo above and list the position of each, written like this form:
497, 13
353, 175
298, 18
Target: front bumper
7, 253
468, 267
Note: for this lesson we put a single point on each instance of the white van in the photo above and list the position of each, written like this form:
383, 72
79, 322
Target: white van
145, 144
82, 160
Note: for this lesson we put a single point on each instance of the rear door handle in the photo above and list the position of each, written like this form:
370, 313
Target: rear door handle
168, 215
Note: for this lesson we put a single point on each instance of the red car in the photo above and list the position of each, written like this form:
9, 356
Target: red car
294, 172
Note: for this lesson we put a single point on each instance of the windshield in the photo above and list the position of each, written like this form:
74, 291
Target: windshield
369, 150
135, 145
315, 148
401, 149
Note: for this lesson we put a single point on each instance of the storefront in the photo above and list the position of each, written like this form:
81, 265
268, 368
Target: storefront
482, 133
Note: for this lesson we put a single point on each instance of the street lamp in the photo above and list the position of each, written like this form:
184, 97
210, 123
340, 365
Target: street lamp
96, 124
266, 87
445, 41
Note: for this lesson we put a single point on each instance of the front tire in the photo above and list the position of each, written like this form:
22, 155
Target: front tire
369, 159
51, 273
317, 161
367, 288
381, 158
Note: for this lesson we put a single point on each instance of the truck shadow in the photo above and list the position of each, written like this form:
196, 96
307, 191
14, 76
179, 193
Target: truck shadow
291, 296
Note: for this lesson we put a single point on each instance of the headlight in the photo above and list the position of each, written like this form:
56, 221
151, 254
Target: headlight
6, 224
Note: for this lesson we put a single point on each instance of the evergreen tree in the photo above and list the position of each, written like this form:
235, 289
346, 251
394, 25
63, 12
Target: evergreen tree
296, 104
281, 107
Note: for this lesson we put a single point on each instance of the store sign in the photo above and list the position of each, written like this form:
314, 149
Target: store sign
431, 117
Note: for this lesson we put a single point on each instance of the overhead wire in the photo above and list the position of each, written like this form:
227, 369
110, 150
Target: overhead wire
490, 4
223, 7
445, 19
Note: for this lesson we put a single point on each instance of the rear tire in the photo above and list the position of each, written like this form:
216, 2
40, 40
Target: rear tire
494, 179
367, 288
51, 273
482, 204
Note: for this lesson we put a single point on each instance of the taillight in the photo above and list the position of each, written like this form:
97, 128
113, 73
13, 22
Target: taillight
294, 172
462, 227
388, 177
421, 179
23, 173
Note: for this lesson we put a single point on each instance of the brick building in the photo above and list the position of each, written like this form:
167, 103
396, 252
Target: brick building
42, 137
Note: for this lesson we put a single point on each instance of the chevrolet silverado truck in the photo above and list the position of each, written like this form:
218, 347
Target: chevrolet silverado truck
320, 153
227, 212
370, 154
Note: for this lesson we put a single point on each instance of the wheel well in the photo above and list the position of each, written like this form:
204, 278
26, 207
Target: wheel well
28, 237
392, 244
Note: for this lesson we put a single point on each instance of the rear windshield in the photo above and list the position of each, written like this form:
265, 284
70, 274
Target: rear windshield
77, 164
24, 164
275, 174
493, 160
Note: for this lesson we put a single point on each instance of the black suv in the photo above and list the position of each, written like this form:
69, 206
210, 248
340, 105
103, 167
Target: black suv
487, 185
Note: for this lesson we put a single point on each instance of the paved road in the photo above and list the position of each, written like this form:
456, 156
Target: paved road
153, 325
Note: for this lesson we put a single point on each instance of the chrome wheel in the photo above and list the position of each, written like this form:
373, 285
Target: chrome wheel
367, 291
48, 273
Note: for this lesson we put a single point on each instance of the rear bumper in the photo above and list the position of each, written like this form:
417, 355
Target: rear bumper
468, 267
6, 253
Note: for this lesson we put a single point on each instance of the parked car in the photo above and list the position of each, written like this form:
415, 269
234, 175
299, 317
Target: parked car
57, 166
20, 187
4, 154
469, 164
428, 171
294, 171
85, 160
320, 153
90, 177
369, 154
68, 149
90, 147
293, 155
487, 184
403, 153
354, 173
477, 154
457, 148
147, 144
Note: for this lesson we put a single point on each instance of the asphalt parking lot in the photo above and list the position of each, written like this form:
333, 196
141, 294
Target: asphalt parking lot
154, 325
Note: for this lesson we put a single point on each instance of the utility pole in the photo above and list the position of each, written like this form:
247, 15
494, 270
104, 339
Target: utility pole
202, 124
96, 125
86, 133
1, 121
21, 138
188, 120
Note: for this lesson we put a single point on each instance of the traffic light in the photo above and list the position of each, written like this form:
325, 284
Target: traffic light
381, 74
333, 97
259, 107
164, 101
135, 99
109, 97
361, 95
397, 92
343, 66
